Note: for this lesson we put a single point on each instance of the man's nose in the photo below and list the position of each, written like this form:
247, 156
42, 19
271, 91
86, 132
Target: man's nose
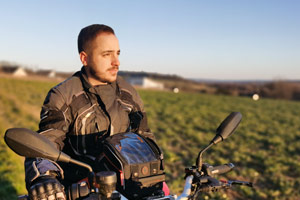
115, 60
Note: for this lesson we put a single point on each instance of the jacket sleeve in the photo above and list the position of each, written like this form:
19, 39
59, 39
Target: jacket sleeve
53, 125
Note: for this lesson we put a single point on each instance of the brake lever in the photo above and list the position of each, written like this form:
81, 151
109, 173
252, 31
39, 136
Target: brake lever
214, 185
249, 184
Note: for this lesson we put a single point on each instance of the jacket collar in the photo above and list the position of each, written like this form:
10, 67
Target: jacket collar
83, 76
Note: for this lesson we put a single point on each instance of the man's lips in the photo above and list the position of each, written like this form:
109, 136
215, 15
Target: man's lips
113, 70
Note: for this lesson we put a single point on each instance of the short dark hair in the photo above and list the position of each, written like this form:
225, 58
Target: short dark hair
89, 33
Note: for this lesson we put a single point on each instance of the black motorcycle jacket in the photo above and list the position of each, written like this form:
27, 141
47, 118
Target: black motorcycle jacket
77, 117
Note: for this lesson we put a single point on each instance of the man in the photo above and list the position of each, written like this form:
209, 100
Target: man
83, 110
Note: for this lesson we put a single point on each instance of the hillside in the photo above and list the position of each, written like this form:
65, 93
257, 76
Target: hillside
265, 147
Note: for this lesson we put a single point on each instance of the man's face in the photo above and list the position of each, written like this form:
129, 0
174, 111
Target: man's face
101, 59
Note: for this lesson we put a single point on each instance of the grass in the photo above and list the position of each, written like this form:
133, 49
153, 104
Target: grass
265, 147
20, 103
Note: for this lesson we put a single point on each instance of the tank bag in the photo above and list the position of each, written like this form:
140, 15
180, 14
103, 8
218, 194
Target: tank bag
138, 162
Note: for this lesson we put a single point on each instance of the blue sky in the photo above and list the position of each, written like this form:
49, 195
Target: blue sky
212, 39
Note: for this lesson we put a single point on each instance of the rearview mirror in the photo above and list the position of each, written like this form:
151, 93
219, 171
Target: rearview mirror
226, 128
30, 144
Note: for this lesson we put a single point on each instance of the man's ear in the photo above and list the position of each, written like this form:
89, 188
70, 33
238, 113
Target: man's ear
83, 57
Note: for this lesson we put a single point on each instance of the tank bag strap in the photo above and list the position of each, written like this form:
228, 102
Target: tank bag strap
135, 115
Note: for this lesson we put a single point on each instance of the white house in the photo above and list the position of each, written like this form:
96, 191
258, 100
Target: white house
144, 82
14, 70
48, 73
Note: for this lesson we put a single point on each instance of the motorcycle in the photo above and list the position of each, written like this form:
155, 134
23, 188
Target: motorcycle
102, 185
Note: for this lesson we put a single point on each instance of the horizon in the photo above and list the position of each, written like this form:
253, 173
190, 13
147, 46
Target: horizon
232, 40
199, 80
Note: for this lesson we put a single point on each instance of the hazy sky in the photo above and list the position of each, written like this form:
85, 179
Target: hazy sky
212, 39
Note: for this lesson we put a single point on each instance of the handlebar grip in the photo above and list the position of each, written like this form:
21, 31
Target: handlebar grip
221, 169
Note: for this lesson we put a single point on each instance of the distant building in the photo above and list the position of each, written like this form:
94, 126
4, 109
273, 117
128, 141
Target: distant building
48, 73
144, 82
14, 70
64, 75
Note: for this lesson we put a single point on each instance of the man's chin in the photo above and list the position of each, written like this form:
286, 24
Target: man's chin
113, 75
111, 79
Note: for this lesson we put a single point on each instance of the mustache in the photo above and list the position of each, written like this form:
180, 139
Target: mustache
113, 68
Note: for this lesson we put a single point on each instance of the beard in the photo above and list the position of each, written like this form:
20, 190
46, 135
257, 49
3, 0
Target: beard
106, 77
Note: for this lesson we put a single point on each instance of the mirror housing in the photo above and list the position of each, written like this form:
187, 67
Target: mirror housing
227, 127
30, 144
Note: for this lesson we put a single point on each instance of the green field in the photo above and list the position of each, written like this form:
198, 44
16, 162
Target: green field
265, 147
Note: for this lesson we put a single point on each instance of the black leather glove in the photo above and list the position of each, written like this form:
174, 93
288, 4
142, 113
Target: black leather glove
46, 188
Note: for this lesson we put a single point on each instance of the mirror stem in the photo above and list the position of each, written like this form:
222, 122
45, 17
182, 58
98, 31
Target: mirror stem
81, 164
199, 158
